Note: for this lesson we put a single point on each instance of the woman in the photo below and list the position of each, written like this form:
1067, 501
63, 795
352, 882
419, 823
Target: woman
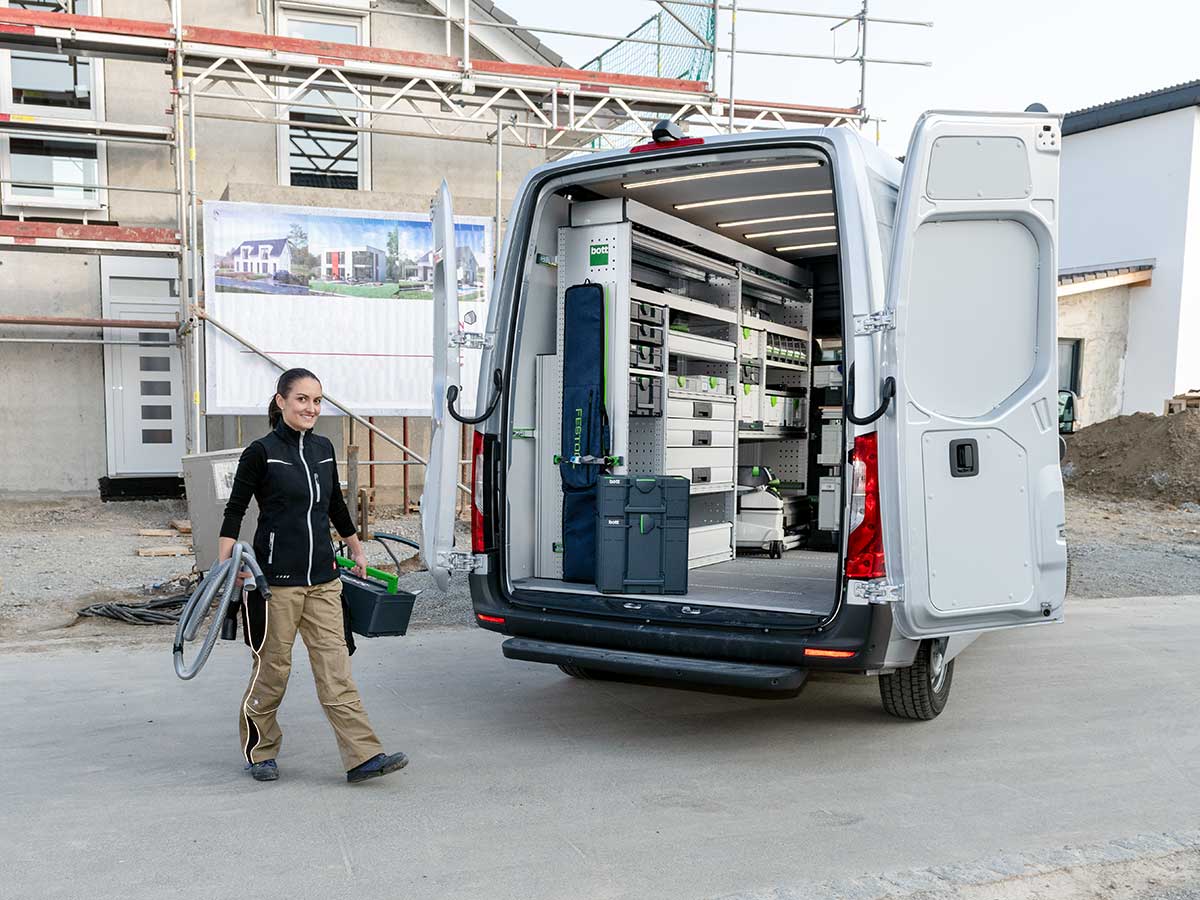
292, 474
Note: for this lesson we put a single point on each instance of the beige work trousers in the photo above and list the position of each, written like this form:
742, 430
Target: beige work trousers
270, 627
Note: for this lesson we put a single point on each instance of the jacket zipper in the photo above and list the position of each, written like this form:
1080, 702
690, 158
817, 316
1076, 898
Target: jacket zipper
308, 518
271, 549
317, 485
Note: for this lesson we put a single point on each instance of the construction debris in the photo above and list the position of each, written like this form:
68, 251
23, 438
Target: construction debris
165, 551
157, 532
183, 526
1180, 402
1142, 455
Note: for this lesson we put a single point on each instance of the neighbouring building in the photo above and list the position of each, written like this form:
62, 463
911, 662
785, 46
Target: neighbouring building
1129, 311
353, 264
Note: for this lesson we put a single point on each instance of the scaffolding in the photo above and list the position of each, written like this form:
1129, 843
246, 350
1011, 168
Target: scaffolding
664, 69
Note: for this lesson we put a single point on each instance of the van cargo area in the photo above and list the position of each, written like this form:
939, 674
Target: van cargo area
679, 342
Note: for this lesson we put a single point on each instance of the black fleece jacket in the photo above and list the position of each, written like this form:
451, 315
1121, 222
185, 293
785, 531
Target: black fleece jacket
294, 478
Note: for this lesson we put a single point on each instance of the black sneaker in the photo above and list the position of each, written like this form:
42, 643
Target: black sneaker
264, 771
380, 764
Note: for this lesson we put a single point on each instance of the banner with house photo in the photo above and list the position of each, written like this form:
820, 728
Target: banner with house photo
345, 293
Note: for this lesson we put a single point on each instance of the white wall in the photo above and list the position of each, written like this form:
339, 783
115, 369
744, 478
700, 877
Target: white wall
1101, 320
1126, 193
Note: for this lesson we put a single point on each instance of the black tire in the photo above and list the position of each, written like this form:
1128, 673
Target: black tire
917, 692
575, 671
776, 549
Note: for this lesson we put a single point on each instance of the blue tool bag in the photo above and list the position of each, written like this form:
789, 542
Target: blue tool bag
585, 428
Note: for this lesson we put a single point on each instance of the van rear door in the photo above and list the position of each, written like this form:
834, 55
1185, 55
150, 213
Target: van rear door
970, 453
438, 499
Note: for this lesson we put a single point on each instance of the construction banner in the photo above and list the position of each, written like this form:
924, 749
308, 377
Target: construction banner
345, 293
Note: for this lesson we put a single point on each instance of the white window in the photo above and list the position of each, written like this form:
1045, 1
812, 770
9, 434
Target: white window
51, 172
264, 251
245, 251
317, 148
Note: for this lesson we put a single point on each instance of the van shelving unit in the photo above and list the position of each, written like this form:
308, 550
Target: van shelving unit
708, 292
827, 422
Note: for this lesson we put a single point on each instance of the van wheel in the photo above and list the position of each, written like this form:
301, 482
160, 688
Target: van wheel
921, 690
575, 671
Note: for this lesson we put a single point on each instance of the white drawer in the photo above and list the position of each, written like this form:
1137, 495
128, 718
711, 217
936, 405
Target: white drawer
693, 345
708, 544
706, 479
749, 403
706, 408
689, 457
699, 433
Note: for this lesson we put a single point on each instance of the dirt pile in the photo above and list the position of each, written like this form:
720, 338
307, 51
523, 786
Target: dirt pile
1152, 457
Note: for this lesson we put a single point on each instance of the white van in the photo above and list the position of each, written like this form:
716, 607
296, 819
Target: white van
907, 496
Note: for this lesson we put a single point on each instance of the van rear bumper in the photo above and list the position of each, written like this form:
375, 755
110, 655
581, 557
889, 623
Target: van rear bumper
748, 676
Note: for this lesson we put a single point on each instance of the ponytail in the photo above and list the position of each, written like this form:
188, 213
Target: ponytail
283, 387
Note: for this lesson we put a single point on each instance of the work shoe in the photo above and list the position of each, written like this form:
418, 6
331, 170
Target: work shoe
264, 771
377, 765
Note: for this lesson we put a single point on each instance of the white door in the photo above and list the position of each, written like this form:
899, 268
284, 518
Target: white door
143, 375
441, 475
973, 437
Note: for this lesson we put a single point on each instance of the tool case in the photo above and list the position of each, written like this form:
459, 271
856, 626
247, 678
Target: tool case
377, 606
642, 534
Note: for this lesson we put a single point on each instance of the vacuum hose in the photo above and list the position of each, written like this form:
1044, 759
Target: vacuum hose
221, 581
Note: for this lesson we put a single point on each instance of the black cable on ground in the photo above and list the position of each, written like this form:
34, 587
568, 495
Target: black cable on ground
161, 611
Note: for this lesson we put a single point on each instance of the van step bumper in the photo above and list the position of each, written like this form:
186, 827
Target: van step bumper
651, 665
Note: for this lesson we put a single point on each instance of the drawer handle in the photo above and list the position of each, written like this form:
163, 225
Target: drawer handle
701, 438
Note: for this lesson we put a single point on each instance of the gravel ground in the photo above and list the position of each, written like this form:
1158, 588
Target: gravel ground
66, 553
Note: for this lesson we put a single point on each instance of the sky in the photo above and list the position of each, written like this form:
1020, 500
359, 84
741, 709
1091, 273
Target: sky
1065, 54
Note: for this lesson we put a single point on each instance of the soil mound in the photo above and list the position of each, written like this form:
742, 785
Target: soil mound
1152, 457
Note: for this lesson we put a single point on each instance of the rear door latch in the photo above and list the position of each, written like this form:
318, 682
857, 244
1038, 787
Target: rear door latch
882, 320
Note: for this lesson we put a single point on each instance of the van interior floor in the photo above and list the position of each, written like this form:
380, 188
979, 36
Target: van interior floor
803, 581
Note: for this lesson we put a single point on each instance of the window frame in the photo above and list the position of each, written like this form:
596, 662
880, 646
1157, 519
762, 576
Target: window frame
285, 14
12, 204
1076, 386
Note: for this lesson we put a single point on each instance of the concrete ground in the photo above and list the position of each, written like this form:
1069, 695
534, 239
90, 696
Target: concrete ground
1068, 755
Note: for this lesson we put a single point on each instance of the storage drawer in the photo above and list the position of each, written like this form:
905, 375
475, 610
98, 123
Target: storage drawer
647, 313
641, 333
709, 544
701, 384
699, 434
831, 444
690, 408
749, 373
697, 347
706, 479
693, 457
644, 356
645, 396
749, 404
751, 342
829, 504
780, 409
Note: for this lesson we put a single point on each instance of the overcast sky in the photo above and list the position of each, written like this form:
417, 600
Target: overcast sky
1067, 54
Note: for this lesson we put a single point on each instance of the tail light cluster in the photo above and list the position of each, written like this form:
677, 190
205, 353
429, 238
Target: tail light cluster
864, 547
478, 543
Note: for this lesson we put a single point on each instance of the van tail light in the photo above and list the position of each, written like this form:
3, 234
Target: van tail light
477, 537
864, 547
666, 145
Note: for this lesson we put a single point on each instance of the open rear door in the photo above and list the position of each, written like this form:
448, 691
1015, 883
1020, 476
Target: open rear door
973, 437
441, 475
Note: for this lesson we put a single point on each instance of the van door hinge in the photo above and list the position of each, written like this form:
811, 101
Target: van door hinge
463, 562
883, 320
470, 340
878, 593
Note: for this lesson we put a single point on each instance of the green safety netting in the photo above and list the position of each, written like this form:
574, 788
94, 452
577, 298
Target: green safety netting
693, 61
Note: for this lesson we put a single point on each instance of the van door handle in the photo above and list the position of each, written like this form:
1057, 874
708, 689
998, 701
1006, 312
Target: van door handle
886, 393
452, 396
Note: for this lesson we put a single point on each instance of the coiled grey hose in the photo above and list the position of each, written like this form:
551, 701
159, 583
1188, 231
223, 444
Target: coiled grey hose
221, 580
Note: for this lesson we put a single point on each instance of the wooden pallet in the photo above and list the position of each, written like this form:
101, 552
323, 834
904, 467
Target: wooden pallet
183, 526
1180, 402
165, 551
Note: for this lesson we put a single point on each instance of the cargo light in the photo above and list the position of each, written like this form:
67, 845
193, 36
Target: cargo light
805, 246
478, 544
740, 223
864, 546
810, 230
495, 620
697, 176
751, 198
829, 654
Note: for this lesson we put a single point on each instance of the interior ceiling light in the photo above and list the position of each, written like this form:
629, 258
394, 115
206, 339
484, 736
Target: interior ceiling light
752, 198
770, 219
759, 234
675, 179
805, 247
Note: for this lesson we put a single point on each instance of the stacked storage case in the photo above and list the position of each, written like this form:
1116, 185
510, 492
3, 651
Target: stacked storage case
642, 535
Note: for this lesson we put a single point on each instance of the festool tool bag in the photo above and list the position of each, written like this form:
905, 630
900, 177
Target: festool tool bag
585, 430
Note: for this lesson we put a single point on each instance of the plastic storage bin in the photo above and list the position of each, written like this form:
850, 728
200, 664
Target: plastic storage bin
642, 534
645, 396
647, 313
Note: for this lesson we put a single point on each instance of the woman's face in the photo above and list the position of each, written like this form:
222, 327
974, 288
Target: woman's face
302, 406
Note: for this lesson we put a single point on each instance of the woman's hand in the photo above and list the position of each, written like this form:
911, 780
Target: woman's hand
360, 562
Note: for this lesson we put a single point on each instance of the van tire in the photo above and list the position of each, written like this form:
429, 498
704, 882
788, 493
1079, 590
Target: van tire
918, 692
575, 671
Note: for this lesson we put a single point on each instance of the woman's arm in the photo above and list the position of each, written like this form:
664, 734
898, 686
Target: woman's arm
339, 515
251, 468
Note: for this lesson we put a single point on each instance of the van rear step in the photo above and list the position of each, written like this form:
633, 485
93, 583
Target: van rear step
651, 665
